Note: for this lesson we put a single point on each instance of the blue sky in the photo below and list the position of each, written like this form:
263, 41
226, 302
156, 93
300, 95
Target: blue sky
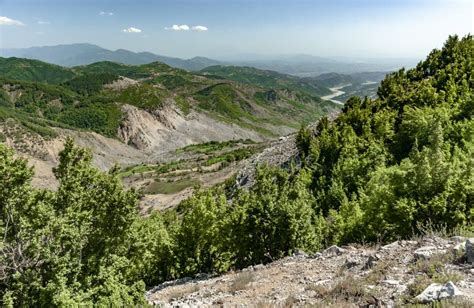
223, 28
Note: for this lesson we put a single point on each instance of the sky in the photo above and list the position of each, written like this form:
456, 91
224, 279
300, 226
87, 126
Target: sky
227, 28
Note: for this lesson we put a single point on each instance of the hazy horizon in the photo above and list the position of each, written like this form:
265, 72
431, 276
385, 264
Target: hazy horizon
362, 29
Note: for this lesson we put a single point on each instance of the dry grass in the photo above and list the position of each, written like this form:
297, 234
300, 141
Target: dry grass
432, 270
347, 289
242, 281
379, 272
179, 293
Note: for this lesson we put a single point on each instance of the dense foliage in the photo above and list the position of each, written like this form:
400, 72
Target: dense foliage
381, 170
34, 70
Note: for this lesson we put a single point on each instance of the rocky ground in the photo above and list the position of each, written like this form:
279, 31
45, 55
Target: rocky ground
423, 271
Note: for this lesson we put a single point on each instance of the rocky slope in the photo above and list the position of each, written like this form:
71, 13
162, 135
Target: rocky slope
404, 272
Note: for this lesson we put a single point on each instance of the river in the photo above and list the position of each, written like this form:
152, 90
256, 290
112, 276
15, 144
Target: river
336, 91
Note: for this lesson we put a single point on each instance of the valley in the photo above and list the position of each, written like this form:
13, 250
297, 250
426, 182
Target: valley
152, 120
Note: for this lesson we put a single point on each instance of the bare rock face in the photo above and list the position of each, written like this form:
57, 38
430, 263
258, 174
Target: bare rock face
279, 153
436, 292
167, 129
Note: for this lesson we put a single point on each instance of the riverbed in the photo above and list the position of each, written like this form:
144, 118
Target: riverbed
336, 91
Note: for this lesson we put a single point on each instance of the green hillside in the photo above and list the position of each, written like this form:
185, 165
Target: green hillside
50, 95
265, 79
33, 70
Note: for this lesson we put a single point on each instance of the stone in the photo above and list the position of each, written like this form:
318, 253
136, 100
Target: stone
425, 252
458, 239
469, 247
460, 246
371, 261
351, 262
299, 254
391, 282
390, 246
437, 291
334, 250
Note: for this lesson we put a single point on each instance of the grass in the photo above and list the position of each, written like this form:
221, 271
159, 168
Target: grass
131, 170
378, 272
242, 281
183, 104
431, 271
347, 289
161, 187
235, 155
435, 265
213, 146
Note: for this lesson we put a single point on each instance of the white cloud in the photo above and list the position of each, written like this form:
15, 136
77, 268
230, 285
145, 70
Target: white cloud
132, 30
43, 22
178, 28
102, 13
5, 21
200, 28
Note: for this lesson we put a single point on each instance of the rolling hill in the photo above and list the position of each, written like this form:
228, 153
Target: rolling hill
141, 104
265, 78
33, 70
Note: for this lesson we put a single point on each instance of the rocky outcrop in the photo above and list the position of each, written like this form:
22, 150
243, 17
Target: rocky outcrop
279, 153
437, 292
347, 276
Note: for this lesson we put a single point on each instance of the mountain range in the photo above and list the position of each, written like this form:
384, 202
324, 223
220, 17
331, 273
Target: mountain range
83, 54
298, 65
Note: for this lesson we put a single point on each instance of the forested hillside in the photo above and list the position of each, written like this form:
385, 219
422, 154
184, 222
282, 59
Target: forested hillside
385, 168
265, 78
41, 96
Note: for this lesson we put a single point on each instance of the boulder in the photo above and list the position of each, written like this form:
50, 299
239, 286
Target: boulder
425, 252
437, 291
469, 247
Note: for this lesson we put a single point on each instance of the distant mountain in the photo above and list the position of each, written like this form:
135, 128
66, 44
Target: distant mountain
335, 79
83, 54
